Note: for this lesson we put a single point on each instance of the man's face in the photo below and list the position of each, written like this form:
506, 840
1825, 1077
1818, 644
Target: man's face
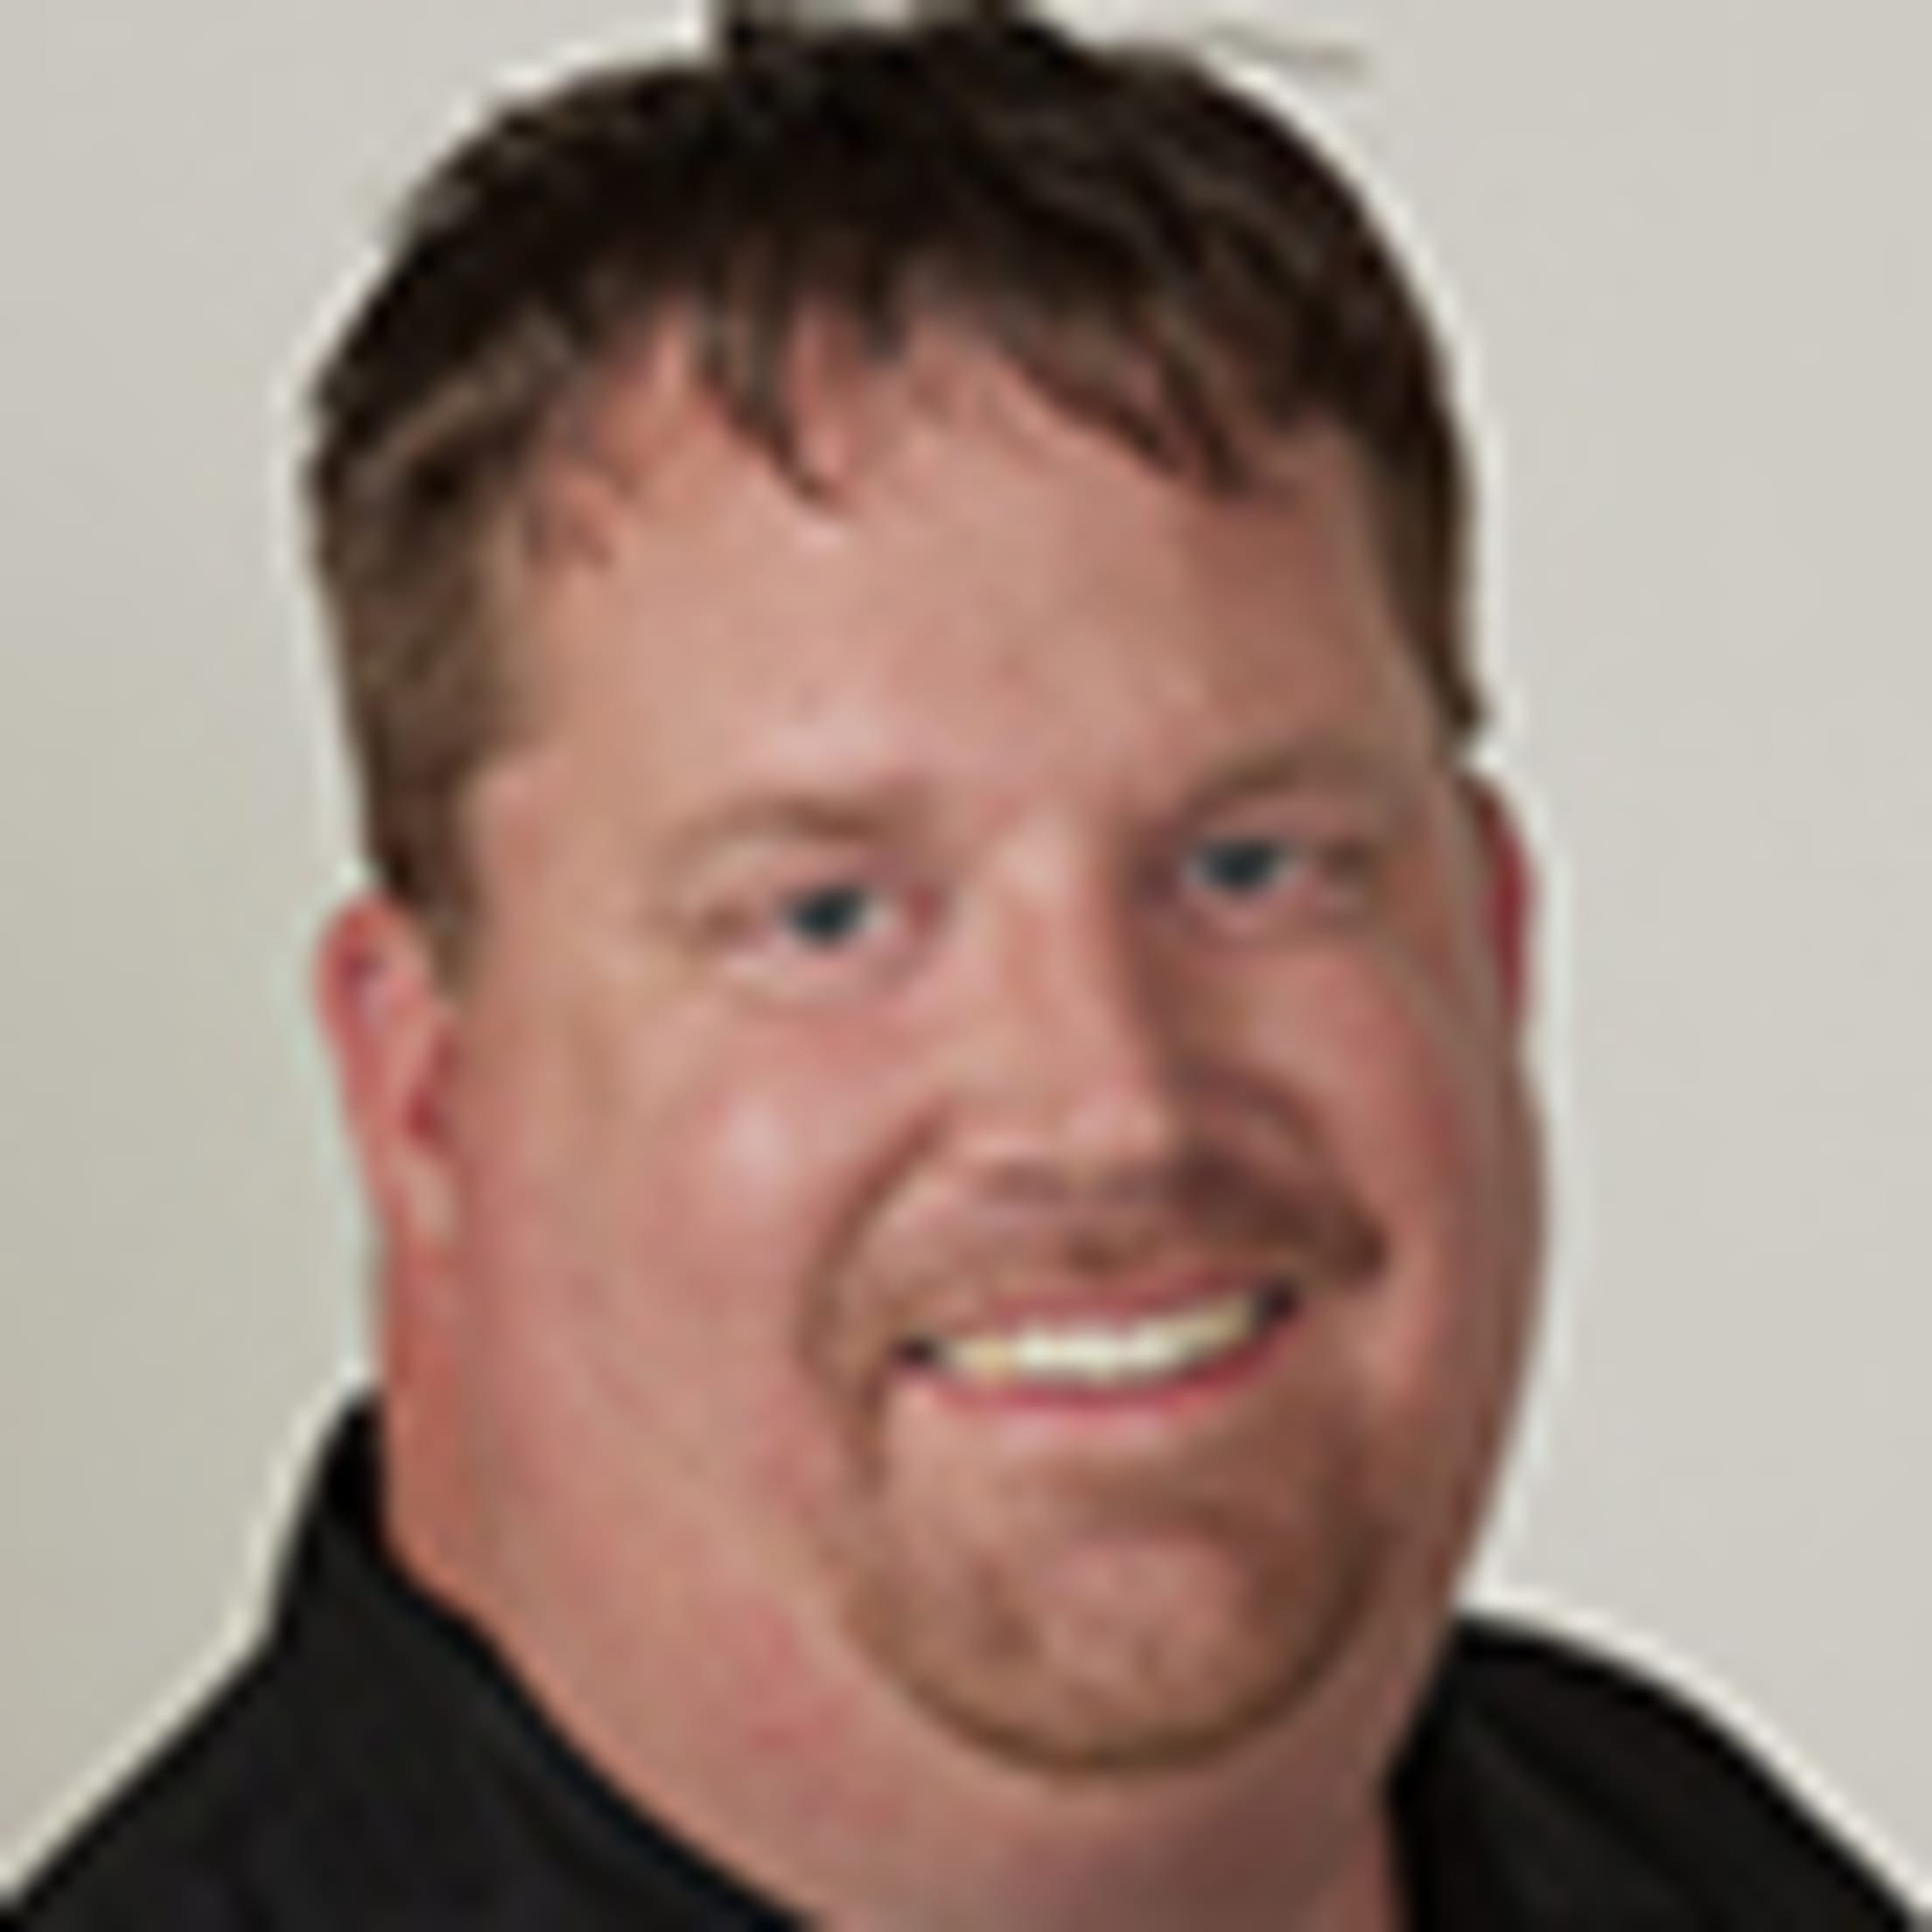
983, 1150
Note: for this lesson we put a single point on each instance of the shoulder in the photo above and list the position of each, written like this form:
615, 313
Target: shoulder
257, 1809
170, 1854
291, 1804
1572, 1747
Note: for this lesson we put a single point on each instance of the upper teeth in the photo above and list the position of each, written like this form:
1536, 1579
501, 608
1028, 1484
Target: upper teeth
1094, 1352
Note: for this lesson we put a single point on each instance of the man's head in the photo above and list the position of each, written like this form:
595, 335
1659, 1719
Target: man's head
1158, 257
935, 1067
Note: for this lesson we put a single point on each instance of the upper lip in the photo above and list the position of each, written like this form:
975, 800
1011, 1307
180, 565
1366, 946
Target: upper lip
1011, 1267
1117, 1302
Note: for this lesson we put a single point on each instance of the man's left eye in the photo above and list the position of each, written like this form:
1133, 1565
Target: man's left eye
1242, 868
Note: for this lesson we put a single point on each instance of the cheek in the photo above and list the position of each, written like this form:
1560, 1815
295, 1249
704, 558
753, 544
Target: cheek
1420, 1099
755, 1150
785, 1157
690, 1187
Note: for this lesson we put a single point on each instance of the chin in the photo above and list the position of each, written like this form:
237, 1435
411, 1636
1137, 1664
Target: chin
1128, 1653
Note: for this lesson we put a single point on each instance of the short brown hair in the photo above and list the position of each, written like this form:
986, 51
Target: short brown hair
1153, 251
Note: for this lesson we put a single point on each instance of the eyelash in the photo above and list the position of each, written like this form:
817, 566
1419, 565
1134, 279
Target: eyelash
1264, 877
1337, 866
1243, 878
854, 896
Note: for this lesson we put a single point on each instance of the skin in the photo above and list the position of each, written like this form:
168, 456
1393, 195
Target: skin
1014, 887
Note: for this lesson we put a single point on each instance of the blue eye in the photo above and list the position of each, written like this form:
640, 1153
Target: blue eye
1242, 868
830, 917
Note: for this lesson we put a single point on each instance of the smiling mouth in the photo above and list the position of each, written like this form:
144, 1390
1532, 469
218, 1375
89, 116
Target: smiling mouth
1096, 1353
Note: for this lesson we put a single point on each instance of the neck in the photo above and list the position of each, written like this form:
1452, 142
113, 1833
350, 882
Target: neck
1200, 1882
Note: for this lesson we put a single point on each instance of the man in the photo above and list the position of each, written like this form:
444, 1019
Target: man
933, 1052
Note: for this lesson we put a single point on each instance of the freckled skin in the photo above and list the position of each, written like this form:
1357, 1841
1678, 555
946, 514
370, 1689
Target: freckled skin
668, 1181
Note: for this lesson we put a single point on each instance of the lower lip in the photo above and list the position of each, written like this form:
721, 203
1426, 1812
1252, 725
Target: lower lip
1165, 1397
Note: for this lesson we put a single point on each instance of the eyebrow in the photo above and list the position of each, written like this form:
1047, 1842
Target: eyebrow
899, 806
1324, 761
854, 815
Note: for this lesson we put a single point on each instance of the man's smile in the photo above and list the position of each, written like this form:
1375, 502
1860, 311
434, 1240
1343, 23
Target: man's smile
1101, 1350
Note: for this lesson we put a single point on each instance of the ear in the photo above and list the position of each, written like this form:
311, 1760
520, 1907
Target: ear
389, 1022
1508, 889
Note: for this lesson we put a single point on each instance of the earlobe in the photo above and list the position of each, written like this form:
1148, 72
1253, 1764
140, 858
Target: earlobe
388, 1021
1509, 887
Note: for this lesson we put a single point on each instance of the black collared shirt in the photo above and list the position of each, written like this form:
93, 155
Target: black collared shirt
374, 1767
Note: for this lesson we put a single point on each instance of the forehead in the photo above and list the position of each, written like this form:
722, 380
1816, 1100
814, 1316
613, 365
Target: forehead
845, 427
960, 555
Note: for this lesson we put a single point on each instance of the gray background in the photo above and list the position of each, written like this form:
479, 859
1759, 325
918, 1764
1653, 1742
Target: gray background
1686, 253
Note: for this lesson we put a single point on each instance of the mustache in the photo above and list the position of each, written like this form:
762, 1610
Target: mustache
1038, 1235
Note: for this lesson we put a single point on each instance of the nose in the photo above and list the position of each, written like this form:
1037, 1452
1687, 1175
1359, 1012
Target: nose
1073, 1062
